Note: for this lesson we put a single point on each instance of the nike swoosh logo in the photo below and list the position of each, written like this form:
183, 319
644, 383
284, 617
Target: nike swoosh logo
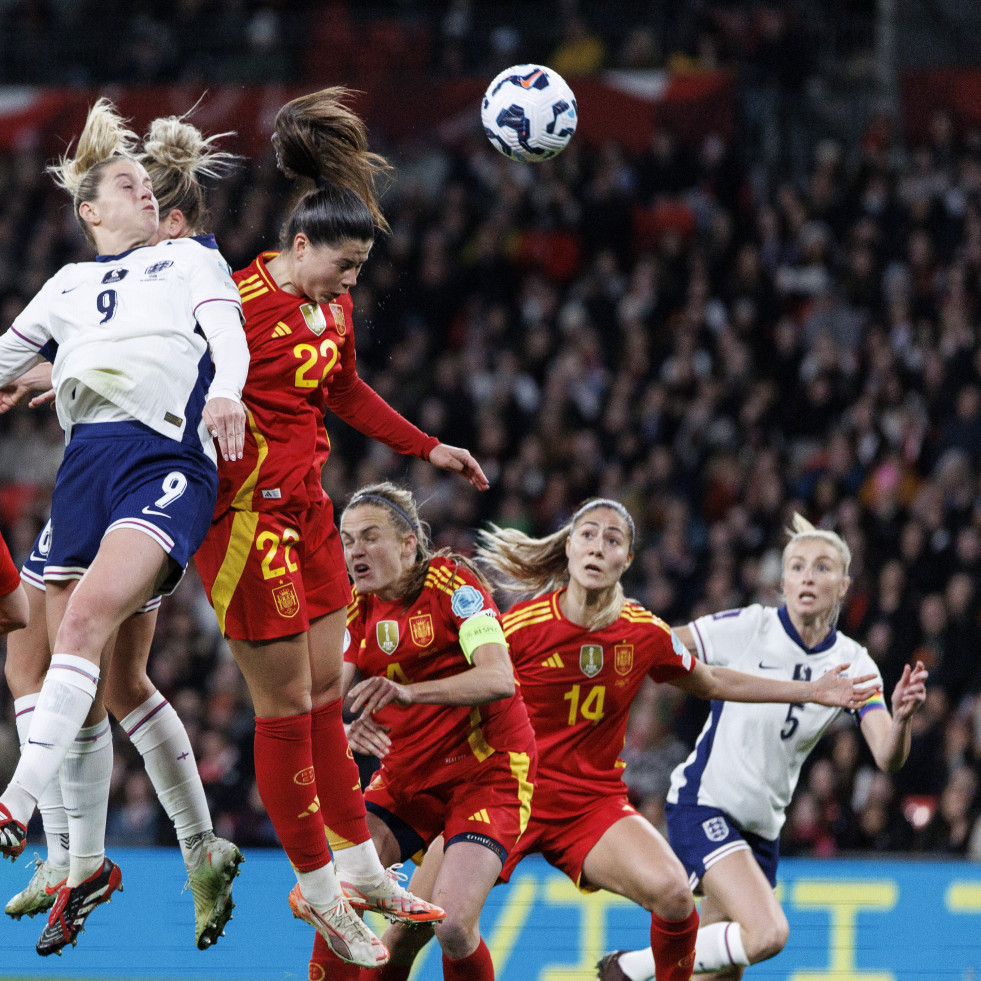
37, 558
34, 742
149, 510
769, 667
70, 288
56, 888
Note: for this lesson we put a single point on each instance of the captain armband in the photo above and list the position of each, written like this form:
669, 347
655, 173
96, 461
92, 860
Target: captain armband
484, 628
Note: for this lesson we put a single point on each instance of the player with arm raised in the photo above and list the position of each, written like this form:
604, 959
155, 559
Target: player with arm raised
272, 563
581, 651
727, 801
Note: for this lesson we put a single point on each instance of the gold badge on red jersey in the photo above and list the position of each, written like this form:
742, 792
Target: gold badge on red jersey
387, 635
314, 317
421, 628
623, 658
591, 659
287, 604
338, 311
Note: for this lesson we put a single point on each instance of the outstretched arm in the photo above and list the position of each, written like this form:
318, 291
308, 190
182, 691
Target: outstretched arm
889, 737
726, 684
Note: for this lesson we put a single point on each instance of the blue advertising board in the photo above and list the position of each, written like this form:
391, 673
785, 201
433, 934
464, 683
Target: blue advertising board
850, 920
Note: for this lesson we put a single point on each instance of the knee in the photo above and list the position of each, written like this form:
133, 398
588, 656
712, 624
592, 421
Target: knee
23, 677
671, 900
458, 938
765, 941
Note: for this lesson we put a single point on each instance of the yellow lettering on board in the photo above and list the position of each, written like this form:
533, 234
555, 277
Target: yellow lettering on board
843, 902
588, 930
516, 913
963, 897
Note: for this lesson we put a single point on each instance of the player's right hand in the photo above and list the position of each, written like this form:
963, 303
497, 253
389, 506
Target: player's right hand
366, 736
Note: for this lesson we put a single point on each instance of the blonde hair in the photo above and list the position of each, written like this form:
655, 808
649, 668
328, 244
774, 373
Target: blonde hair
531, 567
105, 138
177, 156
318, 137
803, 529
403, 513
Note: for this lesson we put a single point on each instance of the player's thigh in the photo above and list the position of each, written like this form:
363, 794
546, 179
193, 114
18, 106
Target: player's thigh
633, 860
28, 652
277, 673
465, 878
736, 889
122, 577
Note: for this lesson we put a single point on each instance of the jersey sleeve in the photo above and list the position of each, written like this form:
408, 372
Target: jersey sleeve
9, 576
721, 637
671, 658
463, 596
208, 279
352, 399
28, 340
863, 664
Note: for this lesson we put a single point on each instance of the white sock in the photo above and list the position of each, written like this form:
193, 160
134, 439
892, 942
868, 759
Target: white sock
638, 965
158, 733
719, 945
52, 808
65, 699
85, 778
320, 887
359, 864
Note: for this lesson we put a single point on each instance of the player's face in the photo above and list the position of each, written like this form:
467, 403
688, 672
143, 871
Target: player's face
125, 208
598, 549
814, 578
376, 552
324, 272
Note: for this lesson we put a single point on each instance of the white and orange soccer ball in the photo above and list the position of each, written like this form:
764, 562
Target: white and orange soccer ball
529, 113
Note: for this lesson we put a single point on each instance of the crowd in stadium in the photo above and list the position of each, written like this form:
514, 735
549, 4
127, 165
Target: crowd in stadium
766, 344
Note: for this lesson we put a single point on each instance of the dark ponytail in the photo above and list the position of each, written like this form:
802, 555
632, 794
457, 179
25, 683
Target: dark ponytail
316, 136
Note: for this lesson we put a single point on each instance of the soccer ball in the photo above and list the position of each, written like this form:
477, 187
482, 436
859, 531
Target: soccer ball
529, 113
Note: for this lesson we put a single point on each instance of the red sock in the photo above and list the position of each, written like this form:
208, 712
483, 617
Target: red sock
325, 965
475, 967
284, 776
339, 783
673, 944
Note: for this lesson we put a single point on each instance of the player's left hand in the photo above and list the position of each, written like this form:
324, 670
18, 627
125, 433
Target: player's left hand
910, 692
834, 689
375, 693
225, 419
458, 460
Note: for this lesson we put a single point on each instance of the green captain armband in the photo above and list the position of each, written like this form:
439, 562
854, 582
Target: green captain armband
481, 629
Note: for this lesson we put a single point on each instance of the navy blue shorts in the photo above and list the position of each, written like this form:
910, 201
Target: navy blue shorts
701, 836
32, 571
124, 475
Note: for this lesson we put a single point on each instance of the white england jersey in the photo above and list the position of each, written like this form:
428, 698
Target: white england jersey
127, 334
749, 756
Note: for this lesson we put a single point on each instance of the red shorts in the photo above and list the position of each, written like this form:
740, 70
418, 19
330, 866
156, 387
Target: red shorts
488, 802
565, 842
269, 573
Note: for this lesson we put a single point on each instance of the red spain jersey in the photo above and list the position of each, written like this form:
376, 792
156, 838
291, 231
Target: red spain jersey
302, 363
578, 687
9, 576
420, 643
